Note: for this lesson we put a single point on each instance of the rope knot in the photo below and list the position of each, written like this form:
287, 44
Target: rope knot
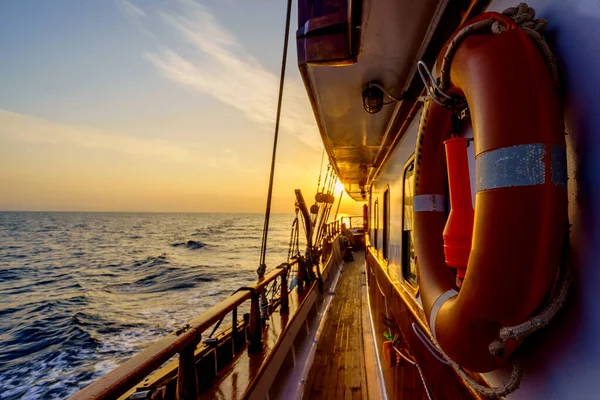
524, 17
498, 28
497, 348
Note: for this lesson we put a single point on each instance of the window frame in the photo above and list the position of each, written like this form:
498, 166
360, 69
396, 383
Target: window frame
385, 234
376, 224
371, 213
412, 286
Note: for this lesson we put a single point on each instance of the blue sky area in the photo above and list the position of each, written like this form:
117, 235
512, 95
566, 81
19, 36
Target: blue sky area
106, 102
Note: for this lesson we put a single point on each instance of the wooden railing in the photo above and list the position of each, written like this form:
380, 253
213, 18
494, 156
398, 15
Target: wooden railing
184, 342
354, 221
333, 228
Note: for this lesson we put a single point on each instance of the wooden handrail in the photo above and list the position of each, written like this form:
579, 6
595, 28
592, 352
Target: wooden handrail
128, 374
215, 313
134, 370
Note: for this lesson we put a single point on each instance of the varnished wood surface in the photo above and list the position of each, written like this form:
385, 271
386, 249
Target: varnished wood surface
338, 370
233, 381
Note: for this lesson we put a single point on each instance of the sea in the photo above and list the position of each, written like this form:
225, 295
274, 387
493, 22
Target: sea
82, 292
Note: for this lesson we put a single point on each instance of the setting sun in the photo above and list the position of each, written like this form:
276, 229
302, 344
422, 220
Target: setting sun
339, 188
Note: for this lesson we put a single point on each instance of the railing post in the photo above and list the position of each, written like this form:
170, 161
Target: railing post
285, 306
234, 330
255, 331
187, 380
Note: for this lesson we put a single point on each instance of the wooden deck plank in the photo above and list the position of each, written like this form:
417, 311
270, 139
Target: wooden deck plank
338, 369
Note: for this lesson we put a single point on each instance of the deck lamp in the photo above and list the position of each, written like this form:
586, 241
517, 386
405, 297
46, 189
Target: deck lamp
372, 98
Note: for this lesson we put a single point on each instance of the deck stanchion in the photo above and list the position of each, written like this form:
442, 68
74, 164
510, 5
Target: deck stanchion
285, 306
234, 329
255, 330
187, 380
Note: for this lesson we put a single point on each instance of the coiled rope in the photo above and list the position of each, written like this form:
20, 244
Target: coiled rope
524, 17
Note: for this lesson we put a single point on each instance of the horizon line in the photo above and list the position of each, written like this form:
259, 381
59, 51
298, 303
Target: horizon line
140, 212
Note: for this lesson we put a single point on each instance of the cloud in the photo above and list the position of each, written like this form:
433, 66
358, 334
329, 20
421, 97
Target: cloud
129, 9
134, 14
37, 130
219, 66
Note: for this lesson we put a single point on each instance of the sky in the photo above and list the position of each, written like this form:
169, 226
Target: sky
148, 105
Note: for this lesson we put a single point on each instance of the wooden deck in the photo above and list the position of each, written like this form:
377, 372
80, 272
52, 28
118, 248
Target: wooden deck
338, 370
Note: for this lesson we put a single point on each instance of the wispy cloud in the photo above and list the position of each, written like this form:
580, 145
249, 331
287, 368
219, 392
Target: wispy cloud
134, 14
128, 8
220, 67
31, 129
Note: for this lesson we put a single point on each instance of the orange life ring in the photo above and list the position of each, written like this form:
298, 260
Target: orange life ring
521, 200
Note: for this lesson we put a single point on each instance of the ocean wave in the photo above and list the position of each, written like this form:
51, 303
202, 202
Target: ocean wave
190, 244
210, 231
10, 247
50, 355
70, 315
14, 256
9, 275
163, 281
151, 261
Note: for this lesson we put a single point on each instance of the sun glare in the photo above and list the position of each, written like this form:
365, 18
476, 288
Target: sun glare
339, 186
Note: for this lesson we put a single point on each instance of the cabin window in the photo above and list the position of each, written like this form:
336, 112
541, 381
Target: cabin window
376, 224
371, 215
409, 265
386, 222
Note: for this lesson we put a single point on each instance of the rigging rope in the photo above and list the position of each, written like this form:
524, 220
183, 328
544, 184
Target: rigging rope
294, 247
321, 169
263, 249
338, 207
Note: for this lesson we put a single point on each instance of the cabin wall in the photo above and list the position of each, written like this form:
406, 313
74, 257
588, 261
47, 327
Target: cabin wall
391, 178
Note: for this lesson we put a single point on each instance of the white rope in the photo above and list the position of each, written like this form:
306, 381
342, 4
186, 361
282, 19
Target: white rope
518, 332
506, 388
424, 383
524, 17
